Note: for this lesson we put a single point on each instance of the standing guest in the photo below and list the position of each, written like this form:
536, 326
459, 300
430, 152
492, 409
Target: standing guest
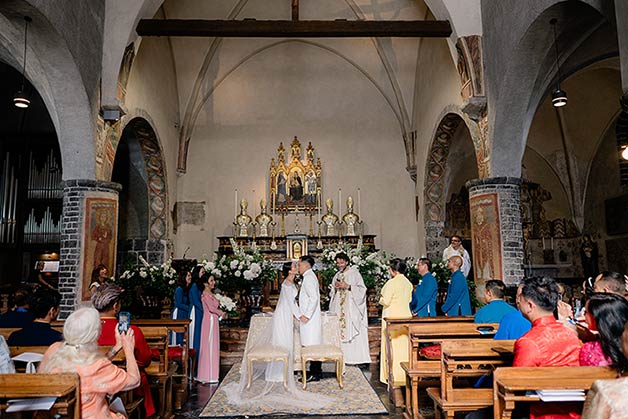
39, 332
496, 308
99, 276
20, 316
310, 320
348, 300
458, 302
548, 343
455, 249
80, 354
607, 314
607, 398
196, 307
182, 301
396, 296
106, 300
423, 302
209, 354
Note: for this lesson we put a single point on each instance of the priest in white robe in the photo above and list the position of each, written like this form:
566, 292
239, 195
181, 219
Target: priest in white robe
455, 249
348, 301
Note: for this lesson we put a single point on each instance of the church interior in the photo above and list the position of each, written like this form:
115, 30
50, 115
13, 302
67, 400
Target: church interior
150, 138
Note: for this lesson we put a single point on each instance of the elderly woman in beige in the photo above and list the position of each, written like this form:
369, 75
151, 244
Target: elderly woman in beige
396, 296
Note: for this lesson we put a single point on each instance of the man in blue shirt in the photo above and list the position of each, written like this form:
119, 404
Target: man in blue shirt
21, 316
496, 307
513, 325
458, 302
423, 302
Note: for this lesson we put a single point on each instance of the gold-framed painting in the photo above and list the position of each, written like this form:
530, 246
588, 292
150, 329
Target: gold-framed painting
99, 238
486, 237
295, 185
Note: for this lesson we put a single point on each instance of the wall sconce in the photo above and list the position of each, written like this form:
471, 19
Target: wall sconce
21, 99
559, 96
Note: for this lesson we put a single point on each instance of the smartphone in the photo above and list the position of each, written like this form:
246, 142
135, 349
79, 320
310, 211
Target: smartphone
124, 321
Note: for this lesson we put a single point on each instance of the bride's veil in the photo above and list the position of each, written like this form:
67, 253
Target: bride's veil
267, 389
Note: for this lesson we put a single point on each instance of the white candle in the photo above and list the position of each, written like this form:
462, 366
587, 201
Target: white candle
254, 204
235, 207
359, 212
543, 243
339, 201
273, 200
320, 204
552, 243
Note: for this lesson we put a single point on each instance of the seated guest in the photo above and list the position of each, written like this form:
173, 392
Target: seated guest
20, 316
423, 302
39, 332
607, 314
106, 300
607, 398
612, 282
458, 302
496, 308
80, 354
513, 325
548, 343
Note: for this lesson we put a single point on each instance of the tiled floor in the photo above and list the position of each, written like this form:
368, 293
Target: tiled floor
201, 393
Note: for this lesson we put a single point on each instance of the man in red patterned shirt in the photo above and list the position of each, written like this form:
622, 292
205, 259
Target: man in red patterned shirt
548, 344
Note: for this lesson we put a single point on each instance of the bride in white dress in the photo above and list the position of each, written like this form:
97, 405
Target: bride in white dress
267, 389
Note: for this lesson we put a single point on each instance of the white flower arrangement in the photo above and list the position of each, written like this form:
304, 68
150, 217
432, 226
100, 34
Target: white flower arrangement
156, 280
226, 304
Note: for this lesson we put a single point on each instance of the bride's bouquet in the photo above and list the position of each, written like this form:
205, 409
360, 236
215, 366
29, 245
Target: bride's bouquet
227, 305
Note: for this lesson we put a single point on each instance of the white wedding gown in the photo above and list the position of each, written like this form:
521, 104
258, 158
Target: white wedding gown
267, 389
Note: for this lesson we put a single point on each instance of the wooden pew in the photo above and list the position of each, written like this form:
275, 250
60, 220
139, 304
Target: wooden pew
468, 358
418, 369
511, 383
160, 372
65, 387
395, 326
180, 377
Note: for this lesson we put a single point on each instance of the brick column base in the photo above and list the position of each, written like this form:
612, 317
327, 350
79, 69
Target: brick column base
73, 227
496, 231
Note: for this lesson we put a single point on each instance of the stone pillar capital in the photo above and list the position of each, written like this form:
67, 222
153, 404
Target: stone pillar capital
503, 180
92, 184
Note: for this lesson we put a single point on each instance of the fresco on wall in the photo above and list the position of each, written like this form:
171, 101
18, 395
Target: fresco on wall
486, 237
99, 237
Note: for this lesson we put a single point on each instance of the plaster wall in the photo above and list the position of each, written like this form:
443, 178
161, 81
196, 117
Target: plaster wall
437, 88
152, 93
298, 89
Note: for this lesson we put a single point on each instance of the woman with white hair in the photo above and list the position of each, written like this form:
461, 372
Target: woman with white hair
79, 353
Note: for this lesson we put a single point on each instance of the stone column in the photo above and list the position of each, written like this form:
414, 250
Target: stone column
436, 241
83, 199
496, 230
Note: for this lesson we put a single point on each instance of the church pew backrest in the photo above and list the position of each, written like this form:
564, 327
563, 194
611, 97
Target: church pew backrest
25, 386
510, 384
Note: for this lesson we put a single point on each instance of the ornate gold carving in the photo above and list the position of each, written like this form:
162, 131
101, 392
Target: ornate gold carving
295, 185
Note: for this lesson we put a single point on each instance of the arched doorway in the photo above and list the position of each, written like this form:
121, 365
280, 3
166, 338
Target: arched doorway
451, 162
140, 169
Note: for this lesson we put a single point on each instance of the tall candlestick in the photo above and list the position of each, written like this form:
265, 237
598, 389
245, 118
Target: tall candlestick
235, 207
273, 199
359, 212
339, 201
320, 204
254, 204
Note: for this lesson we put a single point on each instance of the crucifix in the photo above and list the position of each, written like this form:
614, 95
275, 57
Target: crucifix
295, 10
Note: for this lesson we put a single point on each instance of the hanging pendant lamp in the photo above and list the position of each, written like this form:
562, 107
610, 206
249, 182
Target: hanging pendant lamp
21, 99
559, 96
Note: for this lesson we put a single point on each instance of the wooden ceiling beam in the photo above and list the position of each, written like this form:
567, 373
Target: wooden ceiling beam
251, 28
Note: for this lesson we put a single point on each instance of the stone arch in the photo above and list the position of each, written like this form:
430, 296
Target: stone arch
137, 126
450, 120
62, 90
524, 66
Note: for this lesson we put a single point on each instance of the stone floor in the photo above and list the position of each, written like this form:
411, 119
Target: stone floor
201, 394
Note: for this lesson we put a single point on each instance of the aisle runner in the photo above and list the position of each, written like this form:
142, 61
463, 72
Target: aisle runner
357, 397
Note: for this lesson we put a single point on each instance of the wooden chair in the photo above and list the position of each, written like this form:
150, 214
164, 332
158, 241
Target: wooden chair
160, 372
329, 350
268, 354
65, 387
